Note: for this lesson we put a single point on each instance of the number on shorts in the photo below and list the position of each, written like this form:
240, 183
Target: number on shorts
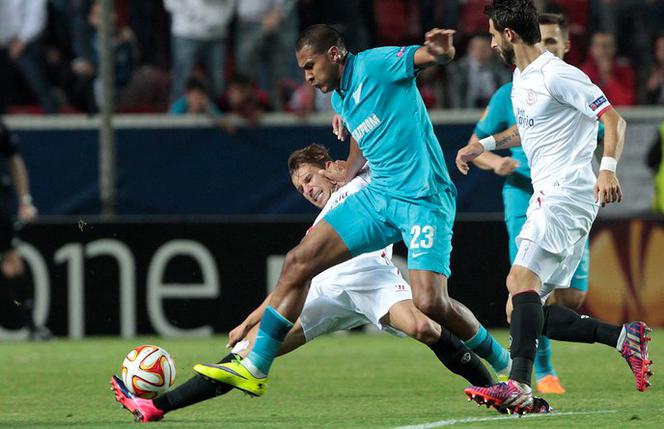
426, 231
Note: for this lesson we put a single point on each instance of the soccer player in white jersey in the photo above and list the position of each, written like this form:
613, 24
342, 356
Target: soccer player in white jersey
556, 108
367, 289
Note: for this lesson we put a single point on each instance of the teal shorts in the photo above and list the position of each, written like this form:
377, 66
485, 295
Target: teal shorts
516, 199
370, 220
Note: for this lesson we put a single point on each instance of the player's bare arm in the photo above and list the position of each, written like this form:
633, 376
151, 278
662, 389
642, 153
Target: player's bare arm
607, 189
27, 212
501, 165
343, 172
474, 148
438, 48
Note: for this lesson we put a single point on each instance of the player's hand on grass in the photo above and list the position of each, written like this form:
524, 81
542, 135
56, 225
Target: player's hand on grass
505, 166
237, 334
607, 188
338, 128
439, 42
467, 154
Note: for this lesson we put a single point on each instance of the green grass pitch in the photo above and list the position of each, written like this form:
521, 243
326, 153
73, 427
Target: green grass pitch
350, 381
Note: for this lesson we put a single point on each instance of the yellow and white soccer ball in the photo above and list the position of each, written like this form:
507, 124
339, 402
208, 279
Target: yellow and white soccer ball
148, 371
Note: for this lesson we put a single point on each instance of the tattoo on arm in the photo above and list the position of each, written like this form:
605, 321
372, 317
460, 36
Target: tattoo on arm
508, 140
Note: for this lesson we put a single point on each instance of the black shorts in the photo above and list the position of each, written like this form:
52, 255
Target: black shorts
8, 233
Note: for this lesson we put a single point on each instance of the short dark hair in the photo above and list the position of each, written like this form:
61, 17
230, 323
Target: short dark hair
554, 19
194, 83
320, 37
518, 15
314, 154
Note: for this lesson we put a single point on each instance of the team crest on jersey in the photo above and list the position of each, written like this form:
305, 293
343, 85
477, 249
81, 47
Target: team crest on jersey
597, 103
531, 97
357, 94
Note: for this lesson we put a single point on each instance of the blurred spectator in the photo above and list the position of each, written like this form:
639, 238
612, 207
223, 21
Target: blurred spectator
634, 23
354, 20
306, 99
197, 101
471, 18
654, 161
578, 14
199, 29
614, 76
21, 24
264, 43
431, 88
243, 98
654, 83
397, 22
476, 76
87, 94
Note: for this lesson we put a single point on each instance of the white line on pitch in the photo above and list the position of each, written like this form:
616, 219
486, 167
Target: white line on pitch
490, 419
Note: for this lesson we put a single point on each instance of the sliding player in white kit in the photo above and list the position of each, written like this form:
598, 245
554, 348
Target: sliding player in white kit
367, 289
556, 107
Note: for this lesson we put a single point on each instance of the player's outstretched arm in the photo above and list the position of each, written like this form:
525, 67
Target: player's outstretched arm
474, 148
438, 48
501, 165
607, 189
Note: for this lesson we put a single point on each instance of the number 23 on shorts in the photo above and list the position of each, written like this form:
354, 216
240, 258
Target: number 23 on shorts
422, 236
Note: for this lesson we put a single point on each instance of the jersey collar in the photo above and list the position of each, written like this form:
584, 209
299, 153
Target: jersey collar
348, 72
539, 61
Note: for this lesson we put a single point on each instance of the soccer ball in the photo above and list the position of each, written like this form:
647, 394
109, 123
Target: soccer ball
148, 371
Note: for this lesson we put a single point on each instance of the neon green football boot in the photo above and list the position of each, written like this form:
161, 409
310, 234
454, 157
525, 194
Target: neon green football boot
234, 374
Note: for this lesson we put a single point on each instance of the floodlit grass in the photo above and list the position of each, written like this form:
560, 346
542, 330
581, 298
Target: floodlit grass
352, 381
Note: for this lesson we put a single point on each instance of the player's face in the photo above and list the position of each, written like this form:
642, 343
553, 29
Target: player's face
312, 184
321, 70
500, 44
554, 40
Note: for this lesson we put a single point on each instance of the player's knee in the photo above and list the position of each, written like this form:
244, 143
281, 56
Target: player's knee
570, 298
432, 305
426, 331
518, 281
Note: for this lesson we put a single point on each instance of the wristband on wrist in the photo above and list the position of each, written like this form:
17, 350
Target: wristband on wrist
489, 143
26, 199
608, 163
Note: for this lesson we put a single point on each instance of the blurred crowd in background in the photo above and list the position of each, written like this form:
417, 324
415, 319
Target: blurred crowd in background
215, 56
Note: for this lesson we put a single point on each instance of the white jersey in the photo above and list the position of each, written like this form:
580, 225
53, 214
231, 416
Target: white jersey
362, 271
556, 107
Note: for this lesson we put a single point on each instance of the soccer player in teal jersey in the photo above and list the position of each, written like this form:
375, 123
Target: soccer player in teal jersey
517, 190
410, 198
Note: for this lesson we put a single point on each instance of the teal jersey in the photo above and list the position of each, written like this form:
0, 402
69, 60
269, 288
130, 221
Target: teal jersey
381, 106
498, 117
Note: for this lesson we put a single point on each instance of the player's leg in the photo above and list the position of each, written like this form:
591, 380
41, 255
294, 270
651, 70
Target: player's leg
13, 270
572, 297
449, 350
531, 264
350, 229
198, 388
427, 231
319, 250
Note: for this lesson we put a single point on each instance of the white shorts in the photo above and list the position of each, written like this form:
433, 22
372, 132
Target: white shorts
331, 308
554, 271
553, 238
